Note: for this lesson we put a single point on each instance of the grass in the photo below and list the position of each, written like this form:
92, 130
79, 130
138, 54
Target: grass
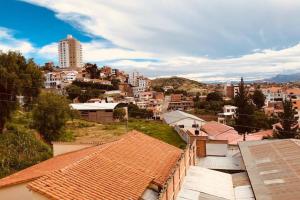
93, 132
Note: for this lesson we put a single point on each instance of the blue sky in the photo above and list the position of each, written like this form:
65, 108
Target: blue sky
198, 39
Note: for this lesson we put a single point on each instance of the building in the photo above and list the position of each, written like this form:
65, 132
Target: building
133, 78
96, 112
134, 167
231, 90
180, 102
70, 53
182, 119
52, 80
227, 114
273, 168
273, 94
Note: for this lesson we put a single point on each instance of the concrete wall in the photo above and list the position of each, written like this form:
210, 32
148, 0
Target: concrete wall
173, 185
216, 148
15, 192
61, 148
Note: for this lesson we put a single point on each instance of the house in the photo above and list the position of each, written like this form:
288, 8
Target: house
273, 94
227, 114
96, 112
52, 80
136, 167
182, 119
293, 93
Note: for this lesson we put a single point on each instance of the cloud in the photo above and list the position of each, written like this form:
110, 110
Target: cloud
179, 28
9, 42
199, 39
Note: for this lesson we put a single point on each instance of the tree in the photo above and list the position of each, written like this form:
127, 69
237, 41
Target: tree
50, 115
214, 96
93, 70
244, 120
119, 113
288, 124
20, 149
18, 76
258, 99
73, 91
262, 121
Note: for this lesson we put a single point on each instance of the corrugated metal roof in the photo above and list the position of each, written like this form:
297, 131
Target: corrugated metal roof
93, 106
201, 183
273, 167
221, 163
177, 115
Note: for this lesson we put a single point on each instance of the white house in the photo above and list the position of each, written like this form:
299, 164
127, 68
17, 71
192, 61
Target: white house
228, 113
182, 119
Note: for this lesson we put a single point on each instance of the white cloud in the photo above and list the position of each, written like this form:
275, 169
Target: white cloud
8, 42
185, 28
199, 39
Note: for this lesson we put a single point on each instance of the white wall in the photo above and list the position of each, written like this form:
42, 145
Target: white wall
188, 123
16, 192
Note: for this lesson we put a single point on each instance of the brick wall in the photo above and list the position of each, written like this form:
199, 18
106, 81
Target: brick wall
173, 185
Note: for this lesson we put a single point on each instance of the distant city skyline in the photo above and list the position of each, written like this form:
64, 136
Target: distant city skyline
201, 40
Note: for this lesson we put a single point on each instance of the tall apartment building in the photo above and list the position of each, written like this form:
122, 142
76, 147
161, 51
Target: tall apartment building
70, 53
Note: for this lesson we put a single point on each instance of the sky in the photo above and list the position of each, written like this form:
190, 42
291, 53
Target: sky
202, 40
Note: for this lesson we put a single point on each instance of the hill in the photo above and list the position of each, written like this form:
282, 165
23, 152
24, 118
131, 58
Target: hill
178, 83
285, 78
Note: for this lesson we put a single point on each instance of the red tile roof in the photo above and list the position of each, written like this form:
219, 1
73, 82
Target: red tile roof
45, 167
218, 131
119, 170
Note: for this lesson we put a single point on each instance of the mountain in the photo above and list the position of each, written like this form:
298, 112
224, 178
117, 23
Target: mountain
284, 78
178, 83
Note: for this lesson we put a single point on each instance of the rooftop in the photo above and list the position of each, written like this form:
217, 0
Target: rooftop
273, 167
93, 106
177, 115
118, 170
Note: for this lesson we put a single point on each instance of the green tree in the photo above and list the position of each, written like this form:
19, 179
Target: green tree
93, 70
261, 121
50, 115
288, 127
88, 94
244, 120
119, 113
258, 99
20, 149
73, 91
214, 96
18, 76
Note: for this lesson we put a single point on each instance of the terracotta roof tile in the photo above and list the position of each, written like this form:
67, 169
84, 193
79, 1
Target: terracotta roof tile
218, 131
121, 170
44, 167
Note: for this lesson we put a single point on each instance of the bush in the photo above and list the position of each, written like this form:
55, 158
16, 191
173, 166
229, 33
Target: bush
119, 113
20, 149
50, 115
